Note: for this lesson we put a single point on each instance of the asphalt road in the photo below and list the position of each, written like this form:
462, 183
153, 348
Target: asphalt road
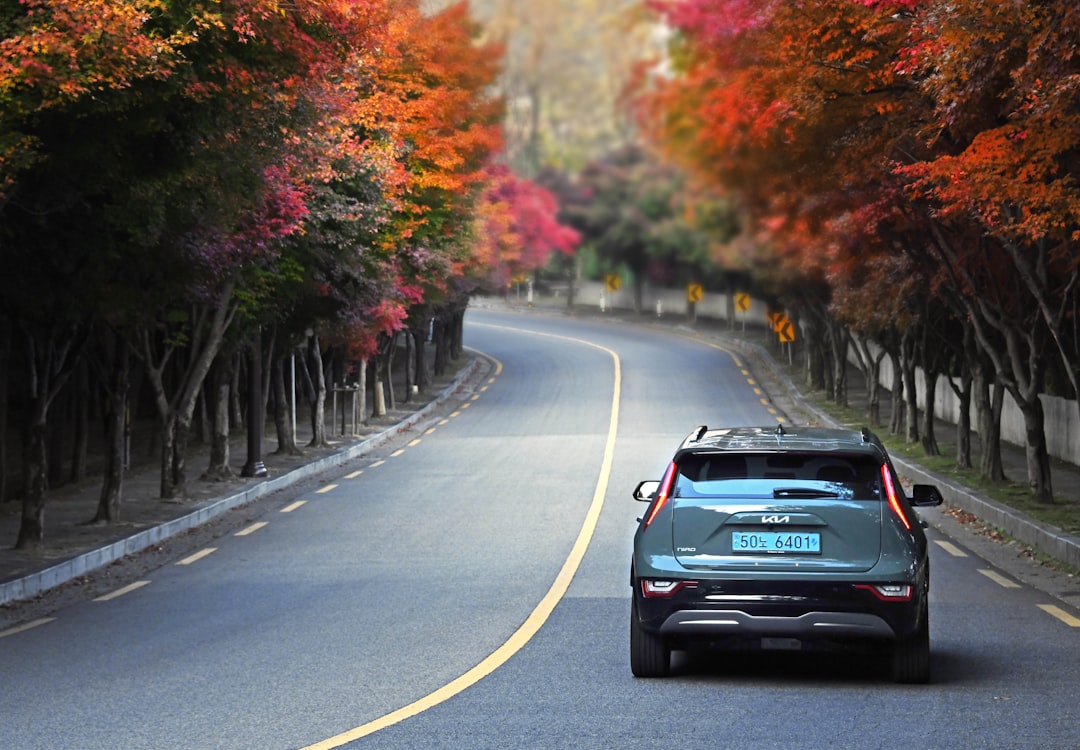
467, 587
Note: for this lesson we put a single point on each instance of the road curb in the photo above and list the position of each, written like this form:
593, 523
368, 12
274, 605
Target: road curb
38, 582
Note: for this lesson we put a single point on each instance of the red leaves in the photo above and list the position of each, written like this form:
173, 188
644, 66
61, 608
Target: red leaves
517, 228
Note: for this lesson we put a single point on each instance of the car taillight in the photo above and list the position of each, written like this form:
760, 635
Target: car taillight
663, 492
894, 499
660, 589
888, 592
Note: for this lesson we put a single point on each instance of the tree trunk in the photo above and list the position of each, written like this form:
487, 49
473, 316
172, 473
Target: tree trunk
872, 376
361, 391
236, 405
32, 526
420, 355
256, 402
285, 437
988, 408
457, 342
51, 361
81, 424
1038, 458
839, 344
929, 439
176, 410
220, 391
108, 508
963, 423
388, 372
378, 395
907, 365
896, 421
815, 354
5, 363
318, 403
439, 329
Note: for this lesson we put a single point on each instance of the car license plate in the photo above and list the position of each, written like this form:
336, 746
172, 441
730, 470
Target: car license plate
775, 542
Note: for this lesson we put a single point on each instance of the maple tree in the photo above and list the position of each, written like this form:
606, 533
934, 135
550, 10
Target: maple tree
517, 229
851, 133
246, 163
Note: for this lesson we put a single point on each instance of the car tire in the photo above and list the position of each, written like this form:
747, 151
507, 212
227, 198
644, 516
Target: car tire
911, 656
649, 654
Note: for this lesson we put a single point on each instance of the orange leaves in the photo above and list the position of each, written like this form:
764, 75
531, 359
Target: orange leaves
67, 49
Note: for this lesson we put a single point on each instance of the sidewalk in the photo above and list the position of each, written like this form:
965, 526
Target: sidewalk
75, 550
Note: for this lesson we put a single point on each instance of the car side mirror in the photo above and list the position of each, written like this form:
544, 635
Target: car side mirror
646, 491
925, 495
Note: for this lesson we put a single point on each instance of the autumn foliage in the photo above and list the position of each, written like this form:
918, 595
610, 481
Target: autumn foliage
907, 169
176, 177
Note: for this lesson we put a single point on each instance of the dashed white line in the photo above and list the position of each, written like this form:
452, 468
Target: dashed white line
121, 591
300, 503
198, 556
26, 626
951, 548
1000, 580
252, 528
1058, 612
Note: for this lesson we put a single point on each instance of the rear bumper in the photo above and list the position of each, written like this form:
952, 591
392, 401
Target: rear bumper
805, 610
811, 625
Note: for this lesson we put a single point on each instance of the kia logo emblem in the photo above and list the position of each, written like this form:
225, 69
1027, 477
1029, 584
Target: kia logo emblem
776, 519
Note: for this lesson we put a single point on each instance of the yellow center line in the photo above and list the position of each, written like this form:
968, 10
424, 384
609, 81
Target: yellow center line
429, 430
198, 556
26, 626
380, 462
414, 443
354, 474
1058, 612
121, 591
543, 610
397, 453
300, 503
252, 528
1000, 580
951, 548
327, 488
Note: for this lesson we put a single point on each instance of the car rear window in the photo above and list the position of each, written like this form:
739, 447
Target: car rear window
728, 473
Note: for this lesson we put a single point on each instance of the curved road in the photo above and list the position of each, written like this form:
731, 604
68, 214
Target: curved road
466, 587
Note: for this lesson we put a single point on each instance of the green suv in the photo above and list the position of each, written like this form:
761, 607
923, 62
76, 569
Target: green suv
786, 538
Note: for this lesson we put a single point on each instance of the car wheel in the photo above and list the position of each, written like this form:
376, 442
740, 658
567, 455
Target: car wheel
649, 654
911, 656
